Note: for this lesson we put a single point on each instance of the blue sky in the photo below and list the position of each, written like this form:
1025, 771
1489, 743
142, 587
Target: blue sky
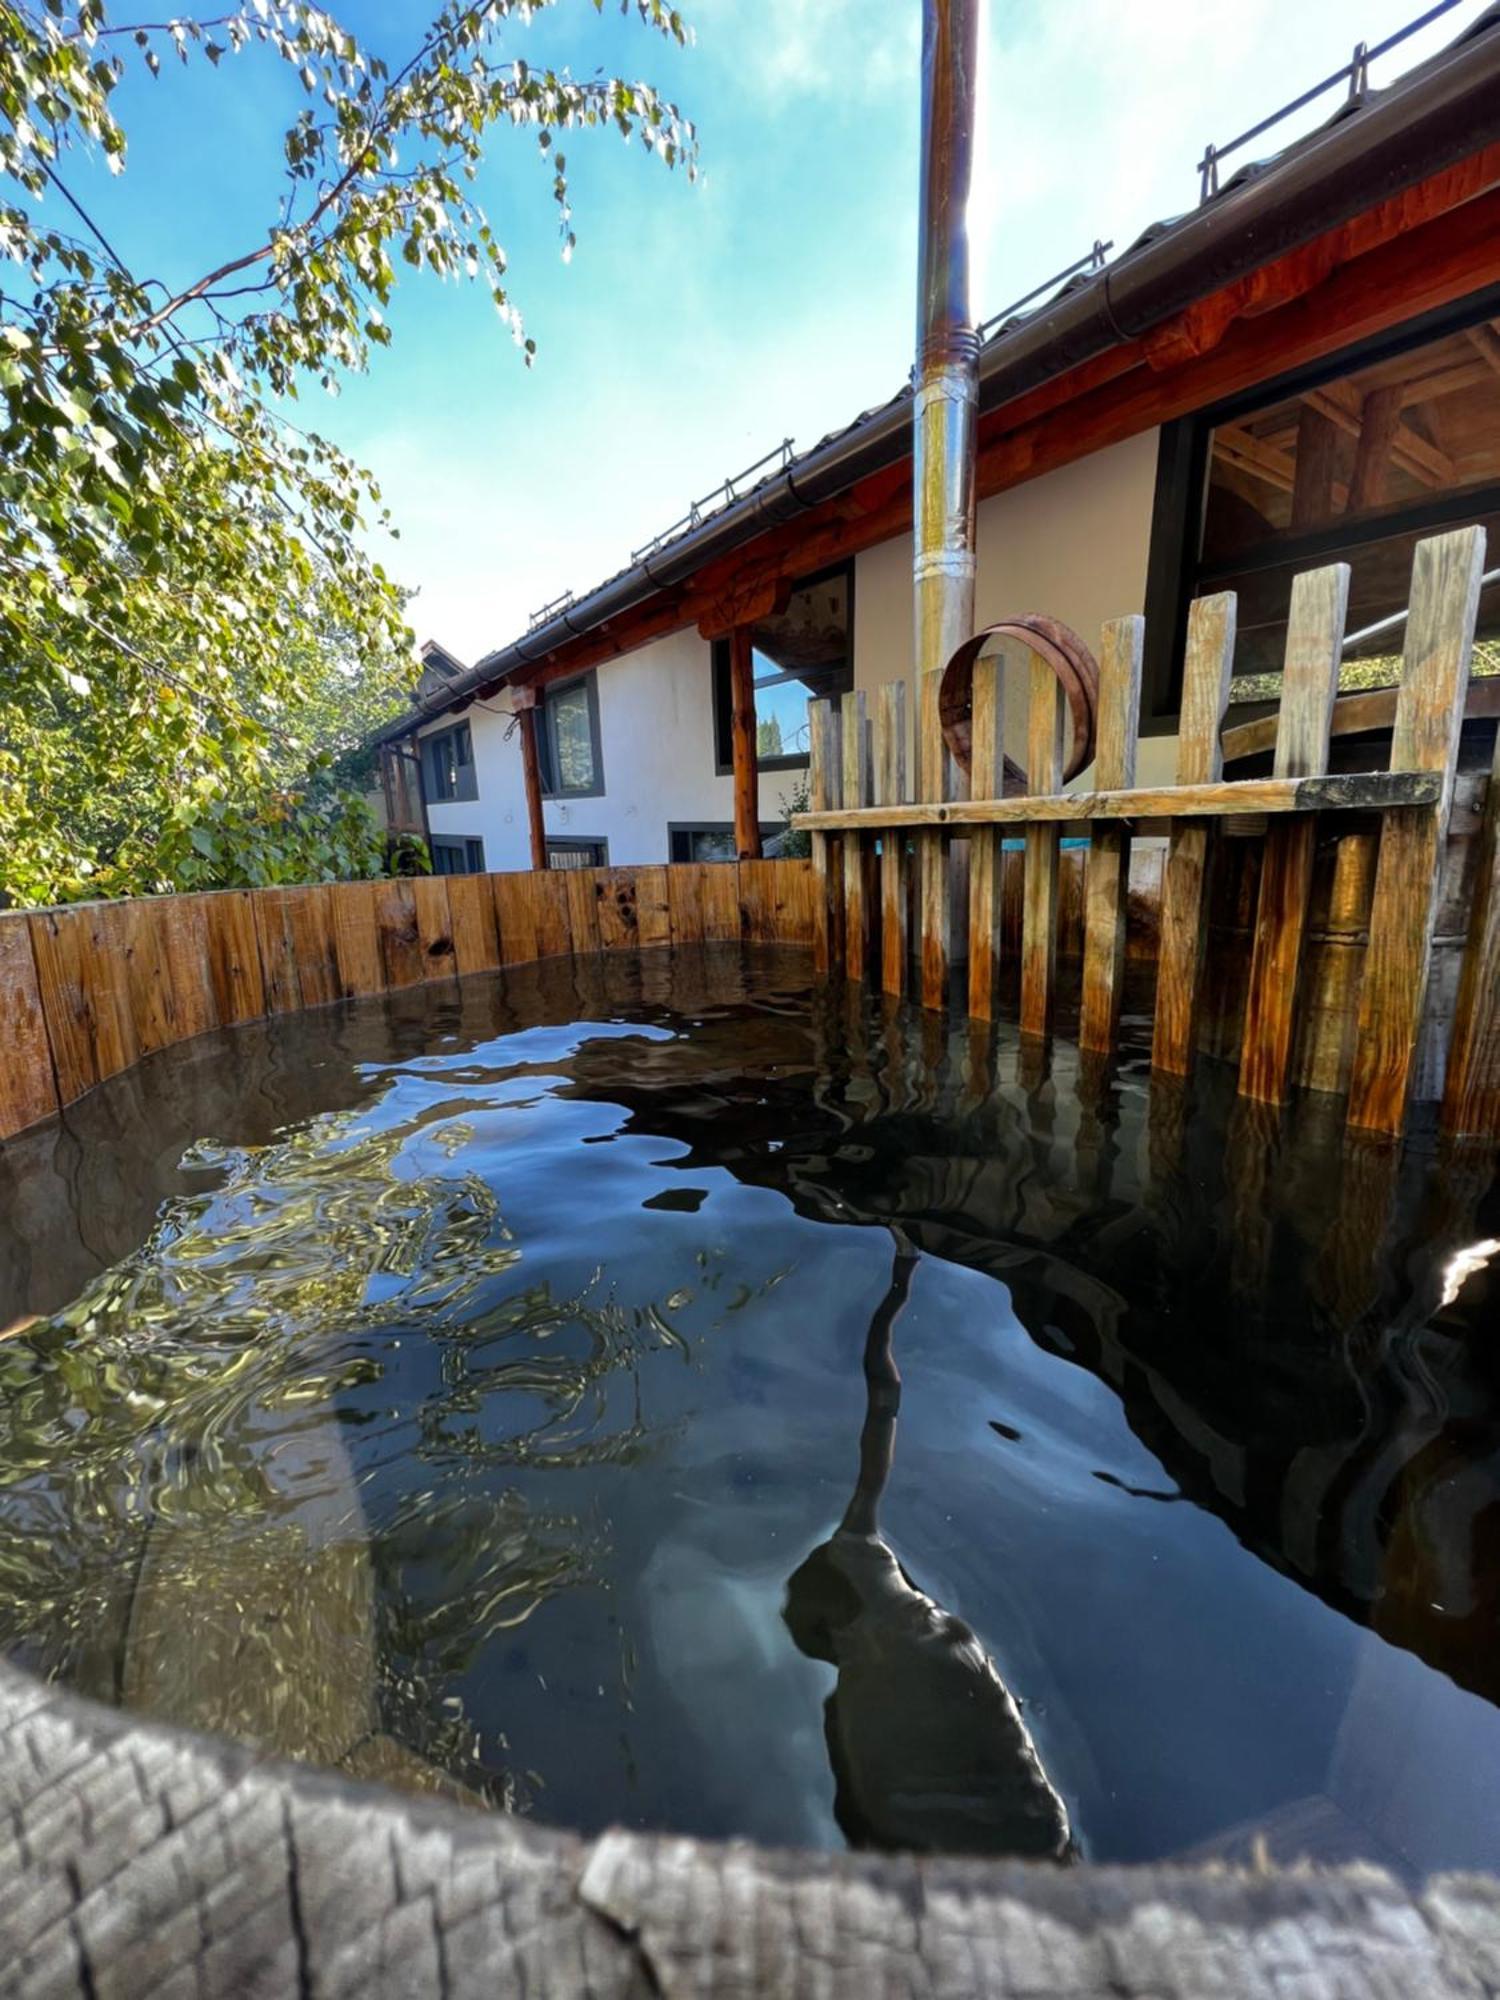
696, 326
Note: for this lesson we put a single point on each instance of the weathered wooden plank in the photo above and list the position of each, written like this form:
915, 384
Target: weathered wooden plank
278, 951
1205, 691
890, 780
1045, 723
76, 955
986, 781
721, 900
435, 925
1471, 1088
232, 942
931, 853
356, 938
552, 909
1314, 645
400, 940
795, 890
685, 902
583, 889
653, 919
181, 947
1429, 714
28, 1085
146, 974
1341, 791
1353, 715
315, 938
617, 911
855, 751
1106, 886
515, 917
476, 930
825, 790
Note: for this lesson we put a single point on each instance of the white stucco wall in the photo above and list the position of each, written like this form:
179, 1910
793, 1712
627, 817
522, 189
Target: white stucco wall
1073, 543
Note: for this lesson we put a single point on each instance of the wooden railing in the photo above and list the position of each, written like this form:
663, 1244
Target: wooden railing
89, 989
1282, 988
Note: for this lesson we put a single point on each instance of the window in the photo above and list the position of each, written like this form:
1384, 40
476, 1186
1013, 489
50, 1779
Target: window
567, 740
457, 854
1356, 464
799, 655
577, 853
448, 765
713, 840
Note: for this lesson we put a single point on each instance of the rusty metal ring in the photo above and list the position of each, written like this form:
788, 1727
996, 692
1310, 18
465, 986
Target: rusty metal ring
1062, 650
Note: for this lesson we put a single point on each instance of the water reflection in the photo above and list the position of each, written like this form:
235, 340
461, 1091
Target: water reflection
512, 1333
927, 1745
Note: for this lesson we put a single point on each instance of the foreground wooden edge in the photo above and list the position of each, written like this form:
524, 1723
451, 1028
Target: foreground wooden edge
137, 1859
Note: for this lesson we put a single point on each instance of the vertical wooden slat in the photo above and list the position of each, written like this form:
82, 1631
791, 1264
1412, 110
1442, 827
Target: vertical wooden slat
825, 787
28, 1087
986, 843
855, 747
721, 901
653, 923
619, 916
551, 904
685, 902
396, 922
476, 932
1471, 1088
515, 916
278, 952
1310, 676
1205, 690
931, 850
584, 888
1429, 715
435, 925
234, 962
1045, 720
356, 938
315, 940
1107, 877
890, 778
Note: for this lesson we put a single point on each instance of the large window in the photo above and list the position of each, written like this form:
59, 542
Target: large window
457, 854
1354, 464
713, 840
448, 765
564, 853
800, 655
567, 740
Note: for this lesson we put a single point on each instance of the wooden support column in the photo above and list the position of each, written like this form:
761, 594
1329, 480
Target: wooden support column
742, 737
1380, 419
1205, 691
1106, 884
890, 777
526, 718
1429, 715
986, 843
1312, 486
1314, 645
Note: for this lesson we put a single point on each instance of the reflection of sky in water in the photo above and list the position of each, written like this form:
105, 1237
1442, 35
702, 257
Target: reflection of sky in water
541, 1324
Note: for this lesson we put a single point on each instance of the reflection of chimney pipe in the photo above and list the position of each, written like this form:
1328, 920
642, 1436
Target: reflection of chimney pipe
947, 377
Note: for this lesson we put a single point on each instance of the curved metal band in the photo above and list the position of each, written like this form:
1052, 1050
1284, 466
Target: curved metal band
1063, 651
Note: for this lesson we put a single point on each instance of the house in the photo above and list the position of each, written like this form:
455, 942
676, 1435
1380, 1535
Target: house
1304, 369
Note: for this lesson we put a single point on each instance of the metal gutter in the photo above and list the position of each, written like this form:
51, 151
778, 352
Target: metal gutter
1376, 145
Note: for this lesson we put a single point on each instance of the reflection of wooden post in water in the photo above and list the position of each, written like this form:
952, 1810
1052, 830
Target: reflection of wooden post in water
928, 1748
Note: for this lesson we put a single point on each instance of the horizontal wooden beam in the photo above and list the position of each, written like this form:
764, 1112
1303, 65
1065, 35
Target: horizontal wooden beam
1371, 708
1365, 791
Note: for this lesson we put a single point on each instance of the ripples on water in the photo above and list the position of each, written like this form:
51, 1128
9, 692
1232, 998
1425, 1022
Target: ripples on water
642, 1391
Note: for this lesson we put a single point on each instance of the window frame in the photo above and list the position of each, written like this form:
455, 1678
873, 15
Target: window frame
688, 827
723, 704
468, 842
466, 771
1174, 575
547, 757
567, 842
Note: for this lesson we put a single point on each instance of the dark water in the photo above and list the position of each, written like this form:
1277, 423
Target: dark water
640, 1392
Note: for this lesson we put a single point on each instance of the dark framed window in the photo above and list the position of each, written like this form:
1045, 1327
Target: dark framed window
799, 655
456, 854
570, 853
1353, 461
712, 840
567, 740
448, 766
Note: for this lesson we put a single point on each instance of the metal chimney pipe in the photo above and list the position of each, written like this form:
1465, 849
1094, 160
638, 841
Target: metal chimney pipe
945, 417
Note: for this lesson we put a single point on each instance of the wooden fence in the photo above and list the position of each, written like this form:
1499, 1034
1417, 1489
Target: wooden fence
87, 990
1388, 883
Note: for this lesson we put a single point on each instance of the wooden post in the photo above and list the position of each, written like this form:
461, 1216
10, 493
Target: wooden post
890, 772
824, 792
986, 843
1107, 882
932, 858
1310, 678
1205, 691
1045, 721
1471, 1090
526, 707
856, 760
742, 737
1429, 716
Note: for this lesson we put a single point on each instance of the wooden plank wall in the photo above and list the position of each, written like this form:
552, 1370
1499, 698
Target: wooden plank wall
88, 989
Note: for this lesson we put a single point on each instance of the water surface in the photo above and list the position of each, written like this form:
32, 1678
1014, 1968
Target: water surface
645, 1392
